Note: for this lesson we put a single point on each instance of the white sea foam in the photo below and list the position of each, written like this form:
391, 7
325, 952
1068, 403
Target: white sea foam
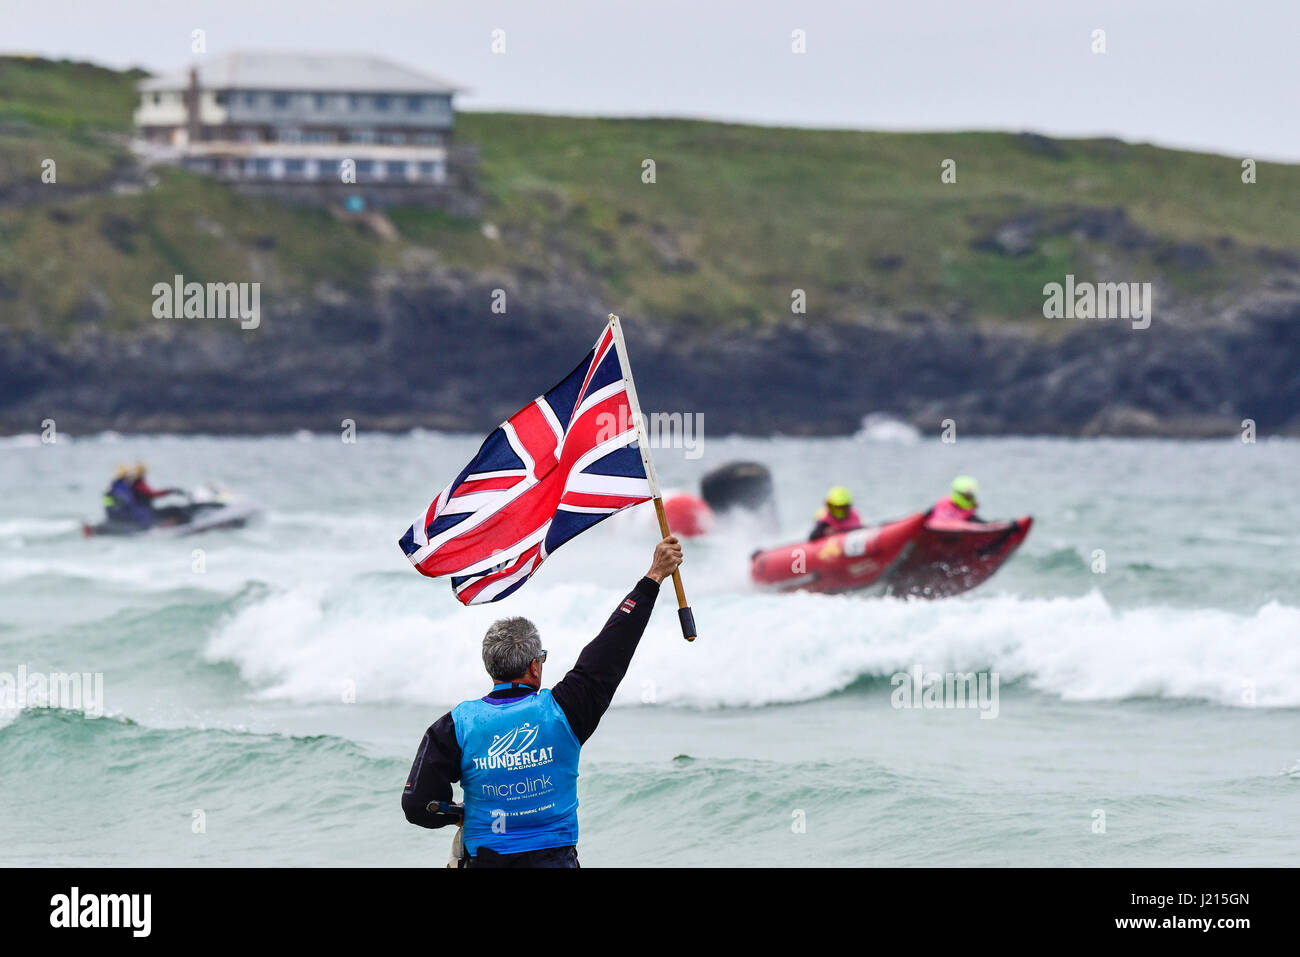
878, 427
307, 643
27, 440
16, 531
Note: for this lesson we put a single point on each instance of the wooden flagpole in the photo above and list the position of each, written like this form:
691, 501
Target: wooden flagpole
684, 614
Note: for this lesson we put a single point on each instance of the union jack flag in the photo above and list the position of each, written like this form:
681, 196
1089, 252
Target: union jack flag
564, 462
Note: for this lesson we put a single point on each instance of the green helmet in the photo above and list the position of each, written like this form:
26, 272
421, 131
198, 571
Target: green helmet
839, 497
965, 491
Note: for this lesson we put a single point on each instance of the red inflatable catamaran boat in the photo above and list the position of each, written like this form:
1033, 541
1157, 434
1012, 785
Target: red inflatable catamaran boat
907, 557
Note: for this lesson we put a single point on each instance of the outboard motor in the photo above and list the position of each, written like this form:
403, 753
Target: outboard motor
740, 485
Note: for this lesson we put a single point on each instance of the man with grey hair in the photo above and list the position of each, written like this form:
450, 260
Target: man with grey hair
515, 751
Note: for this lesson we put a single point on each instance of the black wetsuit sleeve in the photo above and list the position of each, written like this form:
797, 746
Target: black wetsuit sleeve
820, 530
585, 692
437, 764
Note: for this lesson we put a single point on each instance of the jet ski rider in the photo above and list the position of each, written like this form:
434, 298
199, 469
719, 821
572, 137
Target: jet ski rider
145, 494
121, 503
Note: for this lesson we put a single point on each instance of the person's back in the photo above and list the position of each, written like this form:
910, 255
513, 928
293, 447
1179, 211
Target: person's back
525, 769
516, 750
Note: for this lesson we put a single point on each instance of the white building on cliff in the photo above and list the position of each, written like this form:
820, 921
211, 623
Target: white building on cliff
309, 127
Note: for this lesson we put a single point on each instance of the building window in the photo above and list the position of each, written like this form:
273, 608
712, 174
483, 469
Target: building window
157, 99
395, 170
220, 98
393, 139
363, 136
280, 100
428, 139
318, 100
382, 102
414, 104
354, 102
365, 168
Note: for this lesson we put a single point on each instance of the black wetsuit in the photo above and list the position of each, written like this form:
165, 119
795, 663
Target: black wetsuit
583, 695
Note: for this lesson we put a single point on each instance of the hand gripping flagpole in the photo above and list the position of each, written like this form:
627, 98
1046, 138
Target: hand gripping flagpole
683, 610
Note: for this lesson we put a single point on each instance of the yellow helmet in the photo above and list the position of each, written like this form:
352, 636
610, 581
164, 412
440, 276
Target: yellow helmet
121, 472
965, 491
839, 497
139, 470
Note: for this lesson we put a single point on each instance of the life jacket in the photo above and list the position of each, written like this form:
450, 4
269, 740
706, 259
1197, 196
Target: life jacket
119, 494
946, 510
836, 525
519, 772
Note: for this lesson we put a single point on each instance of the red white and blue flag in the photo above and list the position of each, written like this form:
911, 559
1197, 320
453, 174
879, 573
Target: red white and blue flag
564, 462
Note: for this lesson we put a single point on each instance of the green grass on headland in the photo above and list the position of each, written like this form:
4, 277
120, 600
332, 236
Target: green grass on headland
65, 95
738, 217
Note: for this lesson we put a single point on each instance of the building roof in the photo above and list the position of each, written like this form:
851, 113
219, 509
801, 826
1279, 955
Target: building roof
302, 71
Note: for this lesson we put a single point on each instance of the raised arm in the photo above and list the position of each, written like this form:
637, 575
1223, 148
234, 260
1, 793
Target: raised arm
585, 692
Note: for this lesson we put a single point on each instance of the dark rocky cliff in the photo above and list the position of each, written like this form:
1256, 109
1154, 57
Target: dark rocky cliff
431, 354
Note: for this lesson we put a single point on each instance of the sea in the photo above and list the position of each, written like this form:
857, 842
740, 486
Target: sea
256, 696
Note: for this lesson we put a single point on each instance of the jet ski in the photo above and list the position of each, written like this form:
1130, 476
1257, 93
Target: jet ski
909, 557
204, 510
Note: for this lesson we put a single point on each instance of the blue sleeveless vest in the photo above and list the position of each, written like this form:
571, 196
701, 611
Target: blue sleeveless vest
519, 773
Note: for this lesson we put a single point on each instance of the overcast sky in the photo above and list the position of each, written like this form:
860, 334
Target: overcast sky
1219, 76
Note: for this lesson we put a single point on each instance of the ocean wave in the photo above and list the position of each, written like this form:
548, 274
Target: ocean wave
174, 758
28, 440
186, 796
393, 643
21, 531
113, 575
878, 427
